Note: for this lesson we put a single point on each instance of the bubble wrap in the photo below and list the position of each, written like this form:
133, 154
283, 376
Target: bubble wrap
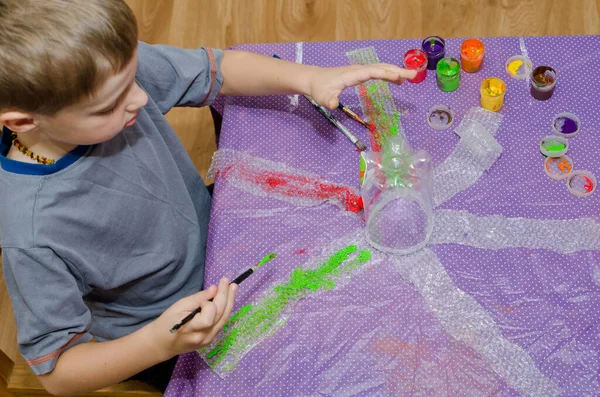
476, 152
244, 333
468, 322
498, 232
268, 178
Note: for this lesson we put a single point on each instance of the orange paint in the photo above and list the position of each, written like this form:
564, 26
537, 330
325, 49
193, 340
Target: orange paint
472, 52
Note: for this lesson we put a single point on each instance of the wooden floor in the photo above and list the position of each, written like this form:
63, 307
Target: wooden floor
224, 23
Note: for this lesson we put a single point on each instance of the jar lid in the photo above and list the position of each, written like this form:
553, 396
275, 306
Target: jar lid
558, 167
581, 183
566, 124
554, 146
518, 67
440, 117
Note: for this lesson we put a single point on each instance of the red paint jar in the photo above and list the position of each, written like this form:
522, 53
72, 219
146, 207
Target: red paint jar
416, 60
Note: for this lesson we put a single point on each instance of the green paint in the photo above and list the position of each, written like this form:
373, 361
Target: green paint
254, 321
448, 74
267, 258
554, 146
448, 67
376, 100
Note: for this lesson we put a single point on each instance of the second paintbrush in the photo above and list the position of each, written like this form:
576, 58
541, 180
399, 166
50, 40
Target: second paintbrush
353, 138
238, 280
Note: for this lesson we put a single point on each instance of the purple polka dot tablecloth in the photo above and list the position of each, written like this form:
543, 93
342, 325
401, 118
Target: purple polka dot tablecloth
455, 319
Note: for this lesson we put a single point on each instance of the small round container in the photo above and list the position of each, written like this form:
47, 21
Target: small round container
518, 67
472, 52
543, 82
566, 124
558, 167
581, 183
492, 94
440, 117
416, 60
554, 146
448, 74
435, 48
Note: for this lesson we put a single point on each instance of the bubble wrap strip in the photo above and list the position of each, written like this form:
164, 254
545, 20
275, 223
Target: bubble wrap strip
498, 232
376, 101
268, 178
476, 152
491, 121
254, 323
465, 320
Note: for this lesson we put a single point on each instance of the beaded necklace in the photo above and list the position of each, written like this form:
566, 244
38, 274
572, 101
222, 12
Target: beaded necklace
25, 150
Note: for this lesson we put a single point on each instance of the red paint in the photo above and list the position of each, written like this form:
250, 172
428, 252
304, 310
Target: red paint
416, 60
589, 186
299, 252
280, 183
374, 136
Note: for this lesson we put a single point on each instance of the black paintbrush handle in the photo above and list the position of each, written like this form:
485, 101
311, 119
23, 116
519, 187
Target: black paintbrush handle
238, 280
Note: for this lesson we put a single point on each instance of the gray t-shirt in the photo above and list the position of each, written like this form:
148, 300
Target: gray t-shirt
101, 243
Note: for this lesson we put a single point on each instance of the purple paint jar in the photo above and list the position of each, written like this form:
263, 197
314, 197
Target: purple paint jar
435, 48
543, 81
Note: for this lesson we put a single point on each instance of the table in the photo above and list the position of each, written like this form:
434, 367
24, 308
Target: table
459, 319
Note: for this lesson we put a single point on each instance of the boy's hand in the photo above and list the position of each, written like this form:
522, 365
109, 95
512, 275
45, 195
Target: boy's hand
203, 328
326, 84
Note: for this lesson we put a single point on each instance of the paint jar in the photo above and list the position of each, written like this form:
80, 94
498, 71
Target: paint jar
397, 194
472, 52
448, 74
435, 48
416, 60
543, 81
492, 94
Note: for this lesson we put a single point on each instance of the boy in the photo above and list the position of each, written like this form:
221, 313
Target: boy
103, 216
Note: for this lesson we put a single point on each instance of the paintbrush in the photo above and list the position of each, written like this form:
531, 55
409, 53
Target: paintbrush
238, 280
325, 112
353, 115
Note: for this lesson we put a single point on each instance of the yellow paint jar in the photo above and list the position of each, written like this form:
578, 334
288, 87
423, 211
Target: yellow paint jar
492, 94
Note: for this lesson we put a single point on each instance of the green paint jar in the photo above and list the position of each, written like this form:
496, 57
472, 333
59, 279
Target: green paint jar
448, 74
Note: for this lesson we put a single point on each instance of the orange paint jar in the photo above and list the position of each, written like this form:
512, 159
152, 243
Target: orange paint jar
472, 52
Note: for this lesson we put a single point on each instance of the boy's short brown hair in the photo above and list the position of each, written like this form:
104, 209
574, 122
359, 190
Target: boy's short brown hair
54, 53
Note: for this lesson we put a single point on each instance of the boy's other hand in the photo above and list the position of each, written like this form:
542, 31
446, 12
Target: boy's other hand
326, 84
203, 328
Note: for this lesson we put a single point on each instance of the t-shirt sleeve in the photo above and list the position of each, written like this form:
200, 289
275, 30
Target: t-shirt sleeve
174, 76
48, 305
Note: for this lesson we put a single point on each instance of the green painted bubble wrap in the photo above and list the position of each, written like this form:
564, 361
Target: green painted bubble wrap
255, 322
376, 101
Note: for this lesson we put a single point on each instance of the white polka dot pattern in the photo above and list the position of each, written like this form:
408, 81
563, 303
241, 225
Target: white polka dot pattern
376, 336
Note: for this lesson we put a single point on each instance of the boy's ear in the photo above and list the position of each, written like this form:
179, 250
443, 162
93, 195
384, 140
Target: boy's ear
18, 121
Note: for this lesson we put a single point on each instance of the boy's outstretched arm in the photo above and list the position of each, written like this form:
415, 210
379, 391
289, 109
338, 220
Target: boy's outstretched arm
92, 366
245, 73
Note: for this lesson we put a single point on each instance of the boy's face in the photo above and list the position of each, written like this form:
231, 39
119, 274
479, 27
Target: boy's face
98, 119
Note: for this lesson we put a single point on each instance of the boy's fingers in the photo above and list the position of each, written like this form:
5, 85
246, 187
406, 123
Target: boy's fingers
203, 320
233, 288
220, 299
192, 302
401, 72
